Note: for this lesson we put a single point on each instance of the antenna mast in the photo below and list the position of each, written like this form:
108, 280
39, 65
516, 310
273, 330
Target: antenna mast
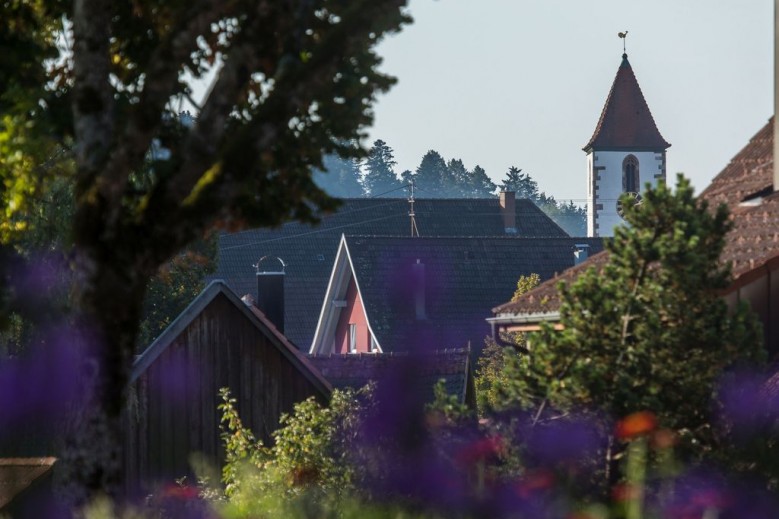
414, 230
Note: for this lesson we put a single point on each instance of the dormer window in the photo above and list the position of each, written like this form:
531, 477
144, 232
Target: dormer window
630, 183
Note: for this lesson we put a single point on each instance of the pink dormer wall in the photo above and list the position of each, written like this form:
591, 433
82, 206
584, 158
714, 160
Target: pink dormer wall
354, 313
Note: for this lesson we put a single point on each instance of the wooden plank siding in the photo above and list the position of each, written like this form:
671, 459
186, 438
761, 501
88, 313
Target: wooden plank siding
173, 410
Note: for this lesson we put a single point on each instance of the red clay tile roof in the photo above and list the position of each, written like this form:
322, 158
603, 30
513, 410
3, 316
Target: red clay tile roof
543, 298
626, 122
18, 474
745, 186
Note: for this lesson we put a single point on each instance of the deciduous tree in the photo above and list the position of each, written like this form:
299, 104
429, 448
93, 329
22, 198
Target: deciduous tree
291, 81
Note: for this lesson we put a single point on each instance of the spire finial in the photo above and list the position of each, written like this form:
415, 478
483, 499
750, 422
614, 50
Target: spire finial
624, 36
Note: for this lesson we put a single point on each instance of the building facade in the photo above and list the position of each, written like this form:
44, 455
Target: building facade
625, 153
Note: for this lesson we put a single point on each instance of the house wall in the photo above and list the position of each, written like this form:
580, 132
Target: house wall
604, 179
354, 313
172, 410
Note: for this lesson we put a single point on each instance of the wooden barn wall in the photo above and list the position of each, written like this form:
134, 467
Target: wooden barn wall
172, 410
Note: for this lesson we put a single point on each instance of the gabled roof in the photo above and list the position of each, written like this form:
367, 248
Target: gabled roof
356, 370
309, 251
19, 474
463, 277
745, 186
218, 288
626, 122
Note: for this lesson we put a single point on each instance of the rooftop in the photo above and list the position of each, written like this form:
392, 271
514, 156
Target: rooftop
626, 122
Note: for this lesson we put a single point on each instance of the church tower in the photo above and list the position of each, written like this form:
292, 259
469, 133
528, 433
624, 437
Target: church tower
625, 152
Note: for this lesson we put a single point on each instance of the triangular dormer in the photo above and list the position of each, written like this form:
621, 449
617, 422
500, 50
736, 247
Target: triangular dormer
625, 152
343, 325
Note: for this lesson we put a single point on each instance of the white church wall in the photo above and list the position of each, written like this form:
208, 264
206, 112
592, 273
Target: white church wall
605, 184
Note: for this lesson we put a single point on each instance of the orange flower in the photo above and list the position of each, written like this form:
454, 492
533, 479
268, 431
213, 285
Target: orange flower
663, 439
636, 424
480, 450
623, 492
535, 481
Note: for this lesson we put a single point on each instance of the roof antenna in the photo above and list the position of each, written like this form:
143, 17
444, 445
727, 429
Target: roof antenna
624, 36
414, 230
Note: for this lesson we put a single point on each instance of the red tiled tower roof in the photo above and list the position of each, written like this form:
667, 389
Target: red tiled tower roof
626, 122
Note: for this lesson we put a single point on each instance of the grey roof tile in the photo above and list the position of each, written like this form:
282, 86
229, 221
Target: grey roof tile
309, 251
464, 278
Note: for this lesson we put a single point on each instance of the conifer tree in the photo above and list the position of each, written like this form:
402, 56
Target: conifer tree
480, 185
380, 175
650, 330
341, 177
521, 183
459, 176
433, 177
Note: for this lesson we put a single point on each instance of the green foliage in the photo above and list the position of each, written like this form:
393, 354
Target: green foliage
650, 330
525, 284
494, 383
492, 377
175, 286
310, 454
447, 406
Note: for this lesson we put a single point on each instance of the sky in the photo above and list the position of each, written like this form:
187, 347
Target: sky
522, 83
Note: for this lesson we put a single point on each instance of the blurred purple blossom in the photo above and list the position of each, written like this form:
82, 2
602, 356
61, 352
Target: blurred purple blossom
747, 401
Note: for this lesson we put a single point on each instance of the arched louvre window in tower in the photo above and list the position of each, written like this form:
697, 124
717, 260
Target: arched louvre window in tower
630, 183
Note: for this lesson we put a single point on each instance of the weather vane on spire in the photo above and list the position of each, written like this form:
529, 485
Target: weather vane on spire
624, 36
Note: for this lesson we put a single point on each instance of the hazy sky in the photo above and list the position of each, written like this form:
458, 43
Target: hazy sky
522, 82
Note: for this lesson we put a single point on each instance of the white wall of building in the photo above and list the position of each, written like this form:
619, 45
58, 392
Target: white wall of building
604, 185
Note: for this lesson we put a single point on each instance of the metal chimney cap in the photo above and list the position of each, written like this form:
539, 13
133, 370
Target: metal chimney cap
261, 272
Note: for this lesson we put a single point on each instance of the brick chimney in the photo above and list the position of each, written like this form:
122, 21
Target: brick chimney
508, 211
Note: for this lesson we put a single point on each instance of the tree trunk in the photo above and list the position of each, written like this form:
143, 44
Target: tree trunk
110, 293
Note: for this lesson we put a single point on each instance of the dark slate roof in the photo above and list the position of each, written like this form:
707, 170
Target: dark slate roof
463, 278
216, 289
356, 370
745, 186
19, 474
626, 122
309, 252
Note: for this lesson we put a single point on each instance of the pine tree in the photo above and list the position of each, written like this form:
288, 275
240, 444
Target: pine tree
650, 330
380, 175
459, 175
521, 183
481, 186
341, 177
433, 177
